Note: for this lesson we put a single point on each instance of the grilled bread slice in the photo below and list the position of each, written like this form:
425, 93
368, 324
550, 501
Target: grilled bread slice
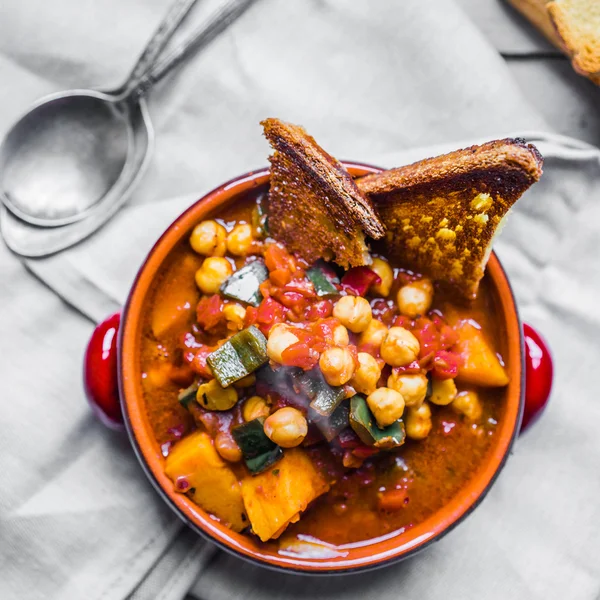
571, 25
441, 213
315, 208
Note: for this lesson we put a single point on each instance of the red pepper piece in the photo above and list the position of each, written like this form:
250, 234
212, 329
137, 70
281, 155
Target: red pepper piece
445, 365
209, 312
319, 310
300, 355
358, 280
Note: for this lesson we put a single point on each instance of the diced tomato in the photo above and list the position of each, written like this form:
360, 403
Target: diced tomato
428, 335
404, 321
383, 310
266, 315
301, 286
300, 355
197, 361
393, 499
318, 310
251, 314
414, 368
277, 257
445, 365
358, 280
363, 451
209, 311
280, 277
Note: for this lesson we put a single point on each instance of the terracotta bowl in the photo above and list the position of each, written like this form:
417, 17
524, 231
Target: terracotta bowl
360, 556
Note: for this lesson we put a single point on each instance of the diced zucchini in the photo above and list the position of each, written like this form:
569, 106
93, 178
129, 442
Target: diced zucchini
258, 450
324, 397
322, 283
364, 425
260, 463
331, 426
188, 395
244, 284
239, 356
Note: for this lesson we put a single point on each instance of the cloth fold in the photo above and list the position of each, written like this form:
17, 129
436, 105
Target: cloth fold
78, 519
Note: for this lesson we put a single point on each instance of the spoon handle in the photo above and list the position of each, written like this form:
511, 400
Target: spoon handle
177, 13
207, 32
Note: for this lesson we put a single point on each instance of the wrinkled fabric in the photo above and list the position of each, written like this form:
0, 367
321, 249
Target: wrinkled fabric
78, 519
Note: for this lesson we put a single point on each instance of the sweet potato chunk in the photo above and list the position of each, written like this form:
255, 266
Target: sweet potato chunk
275, 498
479, 364
194, 463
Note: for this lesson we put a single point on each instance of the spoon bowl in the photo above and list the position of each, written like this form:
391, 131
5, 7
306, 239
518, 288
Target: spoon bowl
64, 156
71, 161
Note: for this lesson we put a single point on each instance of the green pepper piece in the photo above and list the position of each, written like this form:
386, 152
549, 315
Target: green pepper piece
323, 286
324, 397
258, 450
331, 426
188, 395
244, 285
364, 425
239, 356
262, 462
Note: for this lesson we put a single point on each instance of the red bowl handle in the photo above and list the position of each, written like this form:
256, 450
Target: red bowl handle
100, 376
538, 376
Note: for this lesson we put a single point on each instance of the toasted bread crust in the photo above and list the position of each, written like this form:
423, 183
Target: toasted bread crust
573, 26
577, 24
441, 213
315, 207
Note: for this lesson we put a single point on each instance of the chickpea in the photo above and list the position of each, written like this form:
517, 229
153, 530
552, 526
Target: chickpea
227, 447
383, 269
255, 407
354, 312
337, 365
468, 404
287, 427
415, 298
366, 375
399, 347
443, 391
340, 336
234, 315
239, 240
417, 421
214, 397
412, 387
208, 239
387, 405
280, 338
213, 272
374, 334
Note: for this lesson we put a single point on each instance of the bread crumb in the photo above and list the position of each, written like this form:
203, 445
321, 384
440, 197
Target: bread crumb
482, 202
481, 219
444, 222
445, 234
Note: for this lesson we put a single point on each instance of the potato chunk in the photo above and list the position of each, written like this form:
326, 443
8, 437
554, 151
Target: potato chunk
479, 364
195, 463
275, 498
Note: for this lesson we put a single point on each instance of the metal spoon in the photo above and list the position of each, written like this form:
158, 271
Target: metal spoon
80, 151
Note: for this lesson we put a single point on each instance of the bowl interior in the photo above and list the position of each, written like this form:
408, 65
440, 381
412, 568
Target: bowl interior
363, 555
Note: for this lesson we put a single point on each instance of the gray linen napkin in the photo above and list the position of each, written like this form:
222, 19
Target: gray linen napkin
77, 517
